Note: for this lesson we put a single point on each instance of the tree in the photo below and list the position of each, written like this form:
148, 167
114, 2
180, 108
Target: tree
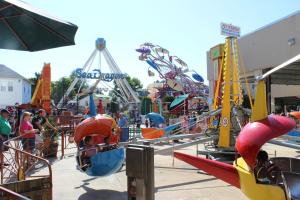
146, 105
58, 88
135, 83
34, 81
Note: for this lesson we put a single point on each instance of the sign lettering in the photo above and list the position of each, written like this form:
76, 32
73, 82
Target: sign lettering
97, 74
230, 30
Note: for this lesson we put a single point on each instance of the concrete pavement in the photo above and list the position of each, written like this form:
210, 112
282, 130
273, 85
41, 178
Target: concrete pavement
180, 182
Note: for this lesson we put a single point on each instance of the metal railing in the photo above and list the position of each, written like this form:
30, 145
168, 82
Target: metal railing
11, 195
19, 165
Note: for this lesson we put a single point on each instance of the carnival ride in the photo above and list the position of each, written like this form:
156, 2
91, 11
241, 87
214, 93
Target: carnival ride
41, 98
253, 136
228, 97
177, 77
172, 69
108, 158
126, 94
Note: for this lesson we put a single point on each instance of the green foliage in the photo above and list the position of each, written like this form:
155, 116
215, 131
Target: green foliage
146, 105
58, 88
34, 81
135, 83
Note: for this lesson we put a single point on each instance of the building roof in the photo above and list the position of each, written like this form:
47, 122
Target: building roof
280, 20
6, 72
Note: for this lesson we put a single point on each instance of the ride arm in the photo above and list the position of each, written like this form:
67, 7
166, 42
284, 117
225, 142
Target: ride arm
60, 103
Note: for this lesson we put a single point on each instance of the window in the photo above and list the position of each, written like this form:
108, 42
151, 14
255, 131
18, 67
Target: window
10, 86
2, 86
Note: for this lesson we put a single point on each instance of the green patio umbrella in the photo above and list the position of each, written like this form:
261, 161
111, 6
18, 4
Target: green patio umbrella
25, 28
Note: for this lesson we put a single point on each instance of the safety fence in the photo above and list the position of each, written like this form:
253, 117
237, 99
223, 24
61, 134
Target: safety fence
25, 172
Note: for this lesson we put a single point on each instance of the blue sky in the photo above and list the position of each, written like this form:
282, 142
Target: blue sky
187, 28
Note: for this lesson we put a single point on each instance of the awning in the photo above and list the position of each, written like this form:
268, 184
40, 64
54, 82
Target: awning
178, 100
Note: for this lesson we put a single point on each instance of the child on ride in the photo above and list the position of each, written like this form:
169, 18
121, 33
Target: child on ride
90, 149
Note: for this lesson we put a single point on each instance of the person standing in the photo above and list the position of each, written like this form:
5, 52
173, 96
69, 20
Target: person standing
138, 121
5, 127
27, 132
5, 131
146, 123
123, 122
39, 120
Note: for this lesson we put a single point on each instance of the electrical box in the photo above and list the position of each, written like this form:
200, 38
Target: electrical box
140, 172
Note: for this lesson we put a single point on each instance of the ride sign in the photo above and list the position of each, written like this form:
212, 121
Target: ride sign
230, 30
97, 74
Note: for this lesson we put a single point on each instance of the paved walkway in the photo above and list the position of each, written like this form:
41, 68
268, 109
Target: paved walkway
181, 182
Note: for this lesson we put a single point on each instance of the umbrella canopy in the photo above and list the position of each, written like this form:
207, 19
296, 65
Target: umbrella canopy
25, 28
156, 118
178, 100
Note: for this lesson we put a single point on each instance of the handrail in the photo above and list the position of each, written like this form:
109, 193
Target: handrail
16, 154
12, 195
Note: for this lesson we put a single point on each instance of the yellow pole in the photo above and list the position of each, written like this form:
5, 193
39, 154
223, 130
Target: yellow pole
259, 111
224, 136
216, 97
237, 91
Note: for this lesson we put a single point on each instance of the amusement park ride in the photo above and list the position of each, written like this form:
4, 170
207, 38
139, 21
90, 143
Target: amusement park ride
261, 129
172, 69
229, 98
126, 95
177, 77
41, 97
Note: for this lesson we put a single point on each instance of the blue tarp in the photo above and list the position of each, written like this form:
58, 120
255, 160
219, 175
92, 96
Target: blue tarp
106, 163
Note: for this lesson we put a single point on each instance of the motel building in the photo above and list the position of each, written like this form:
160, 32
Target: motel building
262, 50
14, 88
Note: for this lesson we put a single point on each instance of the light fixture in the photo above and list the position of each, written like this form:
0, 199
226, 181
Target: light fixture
292, 41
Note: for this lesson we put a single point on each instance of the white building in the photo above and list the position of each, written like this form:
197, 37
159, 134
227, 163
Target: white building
14, 88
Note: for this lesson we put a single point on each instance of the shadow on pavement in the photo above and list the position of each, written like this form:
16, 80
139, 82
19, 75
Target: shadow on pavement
185, 183
102, 194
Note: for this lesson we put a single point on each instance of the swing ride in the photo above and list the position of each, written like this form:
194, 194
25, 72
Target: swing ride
175, 72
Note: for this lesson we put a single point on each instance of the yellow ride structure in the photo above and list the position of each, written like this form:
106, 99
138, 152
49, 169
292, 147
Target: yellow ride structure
228, 90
